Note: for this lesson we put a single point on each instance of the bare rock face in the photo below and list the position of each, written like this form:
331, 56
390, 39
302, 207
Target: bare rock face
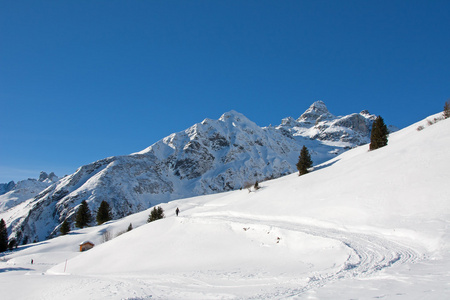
209, 157
6, 187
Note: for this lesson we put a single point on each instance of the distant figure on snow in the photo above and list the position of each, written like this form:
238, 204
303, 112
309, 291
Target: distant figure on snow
31, 261
177, 211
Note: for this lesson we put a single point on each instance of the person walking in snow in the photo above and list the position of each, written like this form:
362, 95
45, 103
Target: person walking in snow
177, 211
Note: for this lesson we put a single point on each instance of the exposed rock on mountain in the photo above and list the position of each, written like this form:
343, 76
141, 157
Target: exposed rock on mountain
209, 157
6, 187
12, 194
44, 177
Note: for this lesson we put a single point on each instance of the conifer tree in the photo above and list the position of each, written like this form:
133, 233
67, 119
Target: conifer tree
104, 213
83, 217
12, 244
156, 214
130, 227
3, 236
379, 134
304, 161
256, 186
447, 109
65, 227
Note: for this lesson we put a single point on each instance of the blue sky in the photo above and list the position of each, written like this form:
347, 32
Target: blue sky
84, 80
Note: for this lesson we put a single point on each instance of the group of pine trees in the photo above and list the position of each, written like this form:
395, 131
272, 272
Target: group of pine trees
4, 243
156, 214
83, 216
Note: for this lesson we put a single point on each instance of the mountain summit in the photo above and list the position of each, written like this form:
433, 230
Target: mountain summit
209, 157
316, 112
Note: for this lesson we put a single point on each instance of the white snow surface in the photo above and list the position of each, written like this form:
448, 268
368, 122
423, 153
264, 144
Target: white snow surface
365, 225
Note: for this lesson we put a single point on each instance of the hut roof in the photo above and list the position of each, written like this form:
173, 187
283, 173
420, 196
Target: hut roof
87, 242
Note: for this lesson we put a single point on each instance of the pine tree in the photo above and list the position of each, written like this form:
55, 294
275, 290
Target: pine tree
156, 214
447, 109
65, 227
83, 217
104, 213
256, 186
130, 227
304, 161
379, 134
3, 236
12, 244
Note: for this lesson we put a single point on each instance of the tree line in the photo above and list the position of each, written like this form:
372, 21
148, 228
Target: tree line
83, 216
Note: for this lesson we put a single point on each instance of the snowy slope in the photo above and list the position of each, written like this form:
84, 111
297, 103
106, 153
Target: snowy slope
18, 198
209, 157
12, 194
364, 225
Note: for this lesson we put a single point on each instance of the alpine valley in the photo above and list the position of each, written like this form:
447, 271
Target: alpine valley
210, 157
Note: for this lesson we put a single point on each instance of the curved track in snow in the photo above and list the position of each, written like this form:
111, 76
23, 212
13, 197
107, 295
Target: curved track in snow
370, 253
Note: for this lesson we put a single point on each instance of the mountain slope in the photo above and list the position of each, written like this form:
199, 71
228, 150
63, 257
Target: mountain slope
12, 194
209, 157
364, 225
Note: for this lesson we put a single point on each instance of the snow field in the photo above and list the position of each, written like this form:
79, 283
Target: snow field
365, 225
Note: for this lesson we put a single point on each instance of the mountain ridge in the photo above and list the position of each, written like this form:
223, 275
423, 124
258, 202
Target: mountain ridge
209, 157
366, 224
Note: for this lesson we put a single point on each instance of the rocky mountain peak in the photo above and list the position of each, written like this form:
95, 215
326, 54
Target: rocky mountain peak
44, 177
6, 187
318, 107
317, 111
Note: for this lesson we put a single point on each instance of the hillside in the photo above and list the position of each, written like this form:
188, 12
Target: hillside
363, 225
209, 157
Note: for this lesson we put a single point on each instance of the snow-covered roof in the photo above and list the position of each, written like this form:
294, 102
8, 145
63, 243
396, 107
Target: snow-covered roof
86, 242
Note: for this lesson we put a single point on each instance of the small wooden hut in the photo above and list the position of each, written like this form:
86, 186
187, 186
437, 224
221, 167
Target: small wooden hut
86, 245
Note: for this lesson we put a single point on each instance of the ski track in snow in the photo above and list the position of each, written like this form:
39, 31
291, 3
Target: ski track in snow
370, 253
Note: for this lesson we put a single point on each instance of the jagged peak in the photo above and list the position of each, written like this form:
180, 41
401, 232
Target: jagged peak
364, 112
317, 110
319, 107
43, 176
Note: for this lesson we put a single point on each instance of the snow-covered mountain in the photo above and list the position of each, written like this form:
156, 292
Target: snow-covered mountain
12, 194
365, 225
209, 157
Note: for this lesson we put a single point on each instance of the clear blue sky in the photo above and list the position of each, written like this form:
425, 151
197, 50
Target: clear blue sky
84, 80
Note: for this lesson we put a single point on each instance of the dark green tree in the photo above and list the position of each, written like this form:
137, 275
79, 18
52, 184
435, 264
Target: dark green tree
130, 227
304, 161
379, 134
103, 213
12, 244
447, 109
83, 217
256, 186
3, 236
65, 227
156, 214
